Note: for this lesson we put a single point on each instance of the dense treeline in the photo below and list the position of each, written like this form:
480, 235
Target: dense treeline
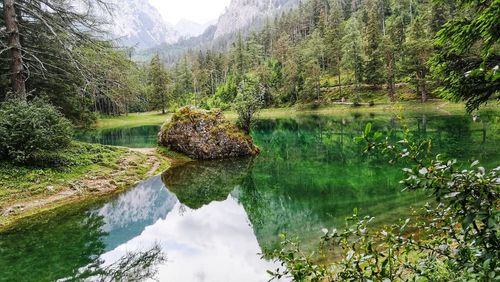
57, 51
323, 50
322, 43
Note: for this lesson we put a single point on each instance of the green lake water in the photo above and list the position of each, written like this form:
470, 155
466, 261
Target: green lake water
213, 219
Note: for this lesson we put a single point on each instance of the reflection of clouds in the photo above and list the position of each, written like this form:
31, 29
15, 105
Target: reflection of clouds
213, 243
128, 215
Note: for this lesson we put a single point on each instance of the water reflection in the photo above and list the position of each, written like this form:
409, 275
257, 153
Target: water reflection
211, 219
126, 217
133, 266
212, 242
135, 137
199, 183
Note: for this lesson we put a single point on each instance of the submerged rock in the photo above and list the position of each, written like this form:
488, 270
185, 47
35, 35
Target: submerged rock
205, 135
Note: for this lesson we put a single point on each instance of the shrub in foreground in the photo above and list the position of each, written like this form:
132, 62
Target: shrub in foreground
32, 131
456, 238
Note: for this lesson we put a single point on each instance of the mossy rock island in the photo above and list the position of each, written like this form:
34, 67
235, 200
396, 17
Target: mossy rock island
205, 135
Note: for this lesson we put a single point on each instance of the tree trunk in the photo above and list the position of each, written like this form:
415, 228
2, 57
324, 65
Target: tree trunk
162, 103
422, 85
340, 83
424, 91
14, 44
392, 90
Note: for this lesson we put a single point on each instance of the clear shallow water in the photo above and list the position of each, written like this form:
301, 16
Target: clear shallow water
212, 219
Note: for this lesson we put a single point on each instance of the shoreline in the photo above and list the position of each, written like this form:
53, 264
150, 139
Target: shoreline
89, 189
434, 106
97, 184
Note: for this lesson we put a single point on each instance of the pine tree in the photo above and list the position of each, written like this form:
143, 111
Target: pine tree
373, 37
32, 25
352, 53
158, 80
334, 39
419, 48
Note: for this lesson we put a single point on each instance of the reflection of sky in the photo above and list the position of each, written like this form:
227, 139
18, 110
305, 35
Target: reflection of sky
213, 243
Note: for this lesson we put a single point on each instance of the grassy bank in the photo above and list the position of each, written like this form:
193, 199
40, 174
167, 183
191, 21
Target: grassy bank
155, 118
87, 172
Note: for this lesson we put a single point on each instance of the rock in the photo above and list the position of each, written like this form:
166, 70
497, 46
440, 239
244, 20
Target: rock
205, 135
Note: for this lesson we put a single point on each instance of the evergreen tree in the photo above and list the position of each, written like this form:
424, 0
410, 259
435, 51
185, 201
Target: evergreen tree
334, 39
388, 48
158, 80
419, 48
352, 53
373, 37
313, 53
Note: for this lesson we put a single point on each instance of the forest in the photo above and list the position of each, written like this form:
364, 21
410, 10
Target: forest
362, 99
321, 52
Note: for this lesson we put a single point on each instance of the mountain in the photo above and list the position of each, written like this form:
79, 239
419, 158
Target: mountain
189, 28
136, 23
241, 14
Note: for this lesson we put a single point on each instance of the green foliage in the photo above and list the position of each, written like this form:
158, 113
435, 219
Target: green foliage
248, 102
67, 63
32, 132
158, 81
352, 56
224, 95
373, 37
455, 239
119, 86
373, 41
468, 54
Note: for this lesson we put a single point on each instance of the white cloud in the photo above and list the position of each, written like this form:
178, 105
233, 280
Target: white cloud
213, 243
200, 11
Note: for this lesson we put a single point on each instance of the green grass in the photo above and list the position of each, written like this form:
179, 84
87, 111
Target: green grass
19, 182
134, 119
155, 118
84, 168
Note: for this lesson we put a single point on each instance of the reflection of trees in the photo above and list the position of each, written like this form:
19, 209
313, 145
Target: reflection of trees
311, 174
52, 250
69, 245
450, 135
134, 266
142, 136
200, 183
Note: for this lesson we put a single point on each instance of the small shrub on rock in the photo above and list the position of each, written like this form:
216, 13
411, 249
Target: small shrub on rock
30, 131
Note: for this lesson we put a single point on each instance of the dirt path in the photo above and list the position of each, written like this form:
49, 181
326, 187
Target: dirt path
133, 167
152, 158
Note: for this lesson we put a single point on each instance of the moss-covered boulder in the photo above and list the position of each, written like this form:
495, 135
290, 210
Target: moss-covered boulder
205, 135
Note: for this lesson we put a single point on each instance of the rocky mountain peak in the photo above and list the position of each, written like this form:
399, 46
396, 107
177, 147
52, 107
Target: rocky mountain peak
137, 23
243, 13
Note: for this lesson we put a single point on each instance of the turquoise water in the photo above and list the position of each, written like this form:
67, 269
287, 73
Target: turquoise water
213, 219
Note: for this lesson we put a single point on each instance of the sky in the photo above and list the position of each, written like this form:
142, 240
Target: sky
199, 11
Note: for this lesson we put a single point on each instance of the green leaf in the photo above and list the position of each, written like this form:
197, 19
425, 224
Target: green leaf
368, 129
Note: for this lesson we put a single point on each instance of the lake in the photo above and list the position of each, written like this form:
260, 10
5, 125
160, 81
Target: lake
214, 219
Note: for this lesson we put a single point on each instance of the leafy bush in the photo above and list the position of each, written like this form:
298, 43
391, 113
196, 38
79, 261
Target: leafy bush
455, 239
248, 102
224, 95
32, 131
